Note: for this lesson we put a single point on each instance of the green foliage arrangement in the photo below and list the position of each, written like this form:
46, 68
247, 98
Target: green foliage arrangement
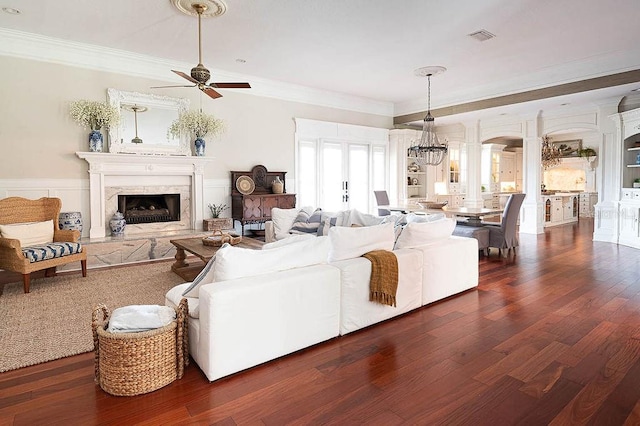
217, 209
197, 124
93, 114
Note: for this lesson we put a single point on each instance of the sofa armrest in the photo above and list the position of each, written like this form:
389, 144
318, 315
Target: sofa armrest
269, 232
10, 249
251, 320
66, 235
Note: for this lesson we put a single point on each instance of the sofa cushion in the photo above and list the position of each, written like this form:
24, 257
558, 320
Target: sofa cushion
306, 223
204, 277
364, 219
416, 234
235, 262
347, 242
50, 251
175, 295
291, 240
29, 234
422, 218
283, 220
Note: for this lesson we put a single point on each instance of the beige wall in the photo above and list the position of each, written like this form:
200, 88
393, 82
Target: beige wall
38, 139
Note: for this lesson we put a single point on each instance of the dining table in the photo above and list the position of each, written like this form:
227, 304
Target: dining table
469, 215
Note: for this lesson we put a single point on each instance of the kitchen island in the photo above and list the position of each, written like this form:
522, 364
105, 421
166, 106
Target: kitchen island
560, 208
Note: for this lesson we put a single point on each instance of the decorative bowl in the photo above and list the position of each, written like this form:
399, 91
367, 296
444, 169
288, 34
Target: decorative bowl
432, 204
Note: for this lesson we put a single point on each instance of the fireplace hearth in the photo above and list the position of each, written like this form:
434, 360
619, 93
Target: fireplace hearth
149, 208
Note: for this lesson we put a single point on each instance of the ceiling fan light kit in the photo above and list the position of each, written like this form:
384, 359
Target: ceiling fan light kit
200, 75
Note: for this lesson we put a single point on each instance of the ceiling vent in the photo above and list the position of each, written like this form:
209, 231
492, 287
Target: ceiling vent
481, 35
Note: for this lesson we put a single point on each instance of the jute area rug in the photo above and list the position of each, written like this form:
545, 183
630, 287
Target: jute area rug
54, 320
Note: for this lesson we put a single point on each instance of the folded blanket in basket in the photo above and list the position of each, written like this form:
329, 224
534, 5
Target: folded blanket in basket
136, 318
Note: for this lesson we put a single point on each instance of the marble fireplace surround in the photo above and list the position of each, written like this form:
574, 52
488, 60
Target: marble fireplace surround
110, 174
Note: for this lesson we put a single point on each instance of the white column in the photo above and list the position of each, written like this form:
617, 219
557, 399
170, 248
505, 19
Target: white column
609, 179
197, 197
96, 201
531, 215
474, 162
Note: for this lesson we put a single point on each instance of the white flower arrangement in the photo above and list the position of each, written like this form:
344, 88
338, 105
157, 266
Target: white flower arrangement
93, 114
197, 124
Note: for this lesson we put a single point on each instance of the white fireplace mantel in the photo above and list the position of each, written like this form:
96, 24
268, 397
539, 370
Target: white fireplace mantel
109, 169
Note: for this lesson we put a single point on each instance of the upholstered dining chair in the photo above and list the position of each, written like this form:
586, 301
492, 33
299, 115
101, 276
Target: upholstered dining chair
31, 241
382, 199
503, 236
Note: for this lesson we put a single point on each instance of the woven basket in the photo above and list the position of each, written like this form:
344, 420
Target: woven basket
128, 364
218, 238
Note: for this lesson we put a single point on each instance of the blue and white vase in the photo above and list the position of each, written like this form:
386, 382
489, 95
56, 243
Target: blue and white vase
199, 145
95, 141
71, 221
117, 224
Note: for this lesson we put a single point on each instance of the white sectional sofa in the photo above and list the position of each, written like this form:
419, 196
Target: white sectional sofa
252, 306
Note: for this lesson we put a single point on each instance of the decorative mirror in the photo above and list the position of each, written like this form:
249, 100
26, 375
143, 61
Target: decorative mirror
144, 121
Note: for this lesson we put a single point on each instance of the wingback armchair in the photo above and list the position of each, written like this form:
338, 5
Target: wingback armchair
31, 241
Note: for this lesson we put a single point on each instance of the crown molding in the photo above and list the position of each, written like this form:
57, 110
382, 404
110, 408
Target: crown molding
47, 49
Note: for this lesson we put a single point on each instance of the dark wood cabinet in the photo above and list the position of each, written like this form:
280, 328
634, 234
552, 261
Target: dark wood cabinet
256, 206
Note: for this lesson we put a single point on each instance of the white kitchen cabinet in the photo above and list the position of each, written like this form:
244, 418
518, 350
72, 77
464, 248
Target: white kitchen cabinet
508, 167
629, 226
587, 202
490, 166
519, 170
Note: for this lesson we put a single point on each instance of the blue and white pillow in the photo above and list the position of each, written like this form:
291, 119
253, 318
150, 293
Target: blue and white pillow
306, 223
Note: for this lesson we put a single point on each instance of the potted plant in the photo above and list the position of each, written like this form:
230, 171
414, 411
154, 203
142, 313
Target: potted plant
587, 152
636, 183
94, 115
197, 124
216, 222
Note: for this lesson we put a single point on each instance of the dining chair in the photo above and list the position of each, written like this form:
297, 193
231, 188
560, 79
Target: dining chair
503, 236
382, 199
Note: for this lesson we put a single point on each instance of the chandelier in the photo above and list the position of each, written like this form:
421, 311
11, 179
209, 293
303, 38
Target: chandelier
550, 153
429, 151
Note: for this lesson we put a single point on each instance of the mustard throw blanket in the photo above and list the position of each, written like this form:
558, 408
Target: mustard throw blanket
384, 277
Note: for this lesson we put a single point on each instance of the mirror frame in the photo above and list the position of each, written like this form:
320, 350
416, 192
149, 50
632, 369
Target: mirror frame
117, 98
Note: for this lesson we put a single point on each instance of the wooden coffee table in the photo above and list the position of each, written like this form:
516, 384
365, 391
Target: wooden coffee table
205, 253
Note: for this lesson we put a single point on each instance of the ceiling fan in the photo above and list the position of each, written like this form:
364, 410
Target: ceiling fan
200, 74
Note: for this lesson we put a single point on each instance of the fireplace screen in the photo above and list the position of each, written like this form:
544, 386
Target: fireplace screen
150, 208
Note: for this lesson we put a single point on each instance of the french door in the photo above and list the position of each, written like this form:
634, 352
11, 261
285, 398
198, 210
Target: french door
338, 175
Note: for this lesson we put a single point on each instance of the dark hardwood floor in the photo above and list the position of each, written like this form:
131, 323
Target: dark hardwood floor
550, 337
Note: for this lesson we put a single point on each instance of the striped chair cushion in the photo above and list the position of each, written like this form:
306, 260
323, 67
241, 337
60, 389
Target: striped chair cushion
50, 251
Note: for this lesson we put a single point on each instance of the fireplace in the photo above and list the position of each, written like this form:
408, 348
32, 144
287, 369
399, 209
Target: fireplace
111, 175
149, 208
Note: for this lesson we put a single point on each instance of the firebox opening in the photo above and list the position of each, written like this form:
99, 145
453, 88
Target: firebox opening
150, 208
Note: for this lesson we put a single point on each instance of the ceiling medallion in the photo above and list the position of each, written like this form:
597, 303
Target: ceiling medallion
211, 8
429, 71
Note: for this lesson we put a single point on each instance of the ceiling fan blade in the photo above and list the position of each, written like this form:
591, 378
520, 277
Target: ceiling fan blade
162, 87
230, 85
188, 77
212, 93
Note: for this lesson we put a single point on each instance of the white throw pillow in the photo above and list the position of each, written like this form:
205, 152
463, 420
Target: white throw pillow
234, 262
347, 243
283, 220
291, 240
422, 218
204, 277
365, 219
29, 234
418, 234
